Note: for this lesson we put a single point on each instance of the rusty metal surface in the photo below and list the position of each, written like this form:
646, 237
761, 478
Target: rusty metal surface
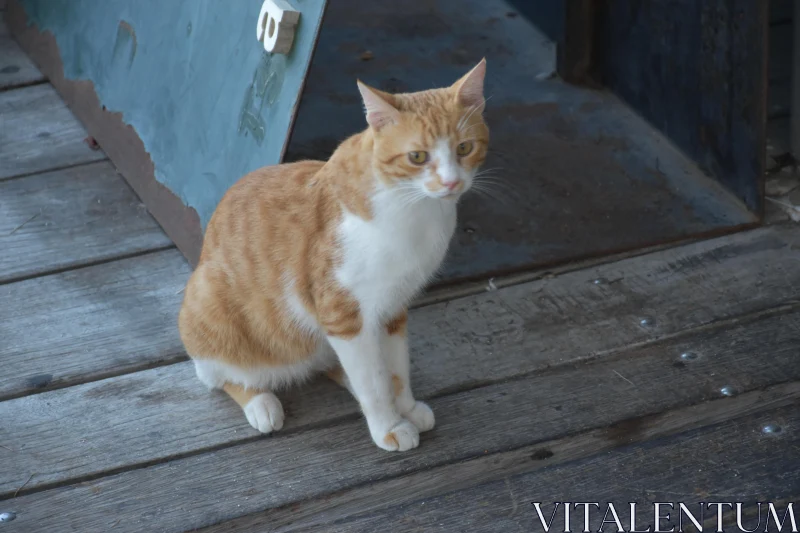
697, 69
579, 173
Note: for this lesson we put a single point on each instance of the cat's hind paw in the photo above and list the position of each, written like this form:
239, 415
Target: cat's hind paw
421, 415
402, 437
264, 412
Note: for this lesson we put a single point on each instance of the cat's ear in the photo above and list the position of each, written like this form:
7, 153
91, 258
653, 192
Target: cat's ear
379, 106
469, 89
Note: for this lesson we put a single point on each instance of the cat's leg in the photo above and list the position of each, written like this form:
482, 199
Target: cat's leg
395, 350
261, 408
370, 382
337, 375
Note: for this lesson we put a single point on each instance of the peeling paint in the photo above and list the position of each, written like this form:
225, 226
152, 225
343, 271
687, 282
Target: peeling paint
264, 89
177, 72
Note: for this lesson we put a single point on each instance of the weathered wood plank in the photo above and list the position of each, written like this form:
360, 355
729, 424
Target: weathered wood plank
89, 323
15, 67
171, 397
514, 331
524, 328
730, 462
71, 217
39, 133
396, 492
309, 464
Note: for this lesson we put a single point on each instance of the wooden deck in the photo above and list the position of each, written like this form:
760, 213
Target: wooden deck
643, 378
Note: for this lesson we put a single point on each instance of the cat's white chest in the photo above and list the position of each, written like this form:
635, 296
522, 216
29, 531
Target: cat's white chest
387, 260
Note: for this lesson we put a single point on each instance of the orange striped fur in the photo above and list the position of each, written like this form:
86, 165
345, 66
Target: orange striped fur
265, 293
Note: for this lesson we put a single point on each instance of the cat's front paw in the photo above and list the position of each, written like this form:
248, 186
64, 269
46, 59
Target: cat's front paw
402, 437
421, 416
264, 412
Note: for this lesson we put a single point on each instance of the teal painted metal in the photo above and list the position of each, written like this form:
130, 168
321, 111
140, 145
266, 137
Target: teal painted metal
190, 77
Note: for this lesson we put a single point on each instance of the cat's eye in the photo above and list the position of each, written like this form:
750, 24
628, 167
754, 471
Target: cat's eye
464, 148
418, 158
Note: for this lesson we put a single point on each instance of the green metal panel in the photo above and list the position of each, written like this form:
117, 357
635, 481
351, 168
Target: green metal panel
191, 78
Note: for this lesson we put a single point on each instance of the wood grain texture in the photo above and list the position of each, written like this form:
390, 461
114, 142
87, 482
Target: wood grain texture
185, 417
71, 217
90, 323
314, 515
729, 462
39, 133
15, 67
537, 325
511, 332
698, 74
550, 321
303, 465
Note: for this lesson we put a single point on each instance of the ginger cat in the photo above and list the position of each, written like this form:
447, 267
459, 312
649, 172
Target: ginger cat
310, 266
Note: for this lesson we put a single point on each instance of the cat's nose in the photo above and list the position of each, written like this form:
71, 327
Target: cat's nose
452, 185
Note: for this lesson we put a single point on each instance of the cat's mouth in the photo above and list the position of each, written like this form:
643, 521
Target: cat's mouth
446, 192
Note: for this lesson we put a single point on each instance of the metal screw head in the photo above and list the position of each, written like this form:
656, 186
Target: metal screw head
688, 356
727, 391
7, 516
646, 322
600, 281
771, 428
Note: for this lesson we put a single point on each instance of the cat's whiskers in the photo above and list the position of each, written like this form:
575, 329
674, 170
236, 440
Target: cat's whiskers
407, 195
492, 195
494, 181
493, 187
486, 171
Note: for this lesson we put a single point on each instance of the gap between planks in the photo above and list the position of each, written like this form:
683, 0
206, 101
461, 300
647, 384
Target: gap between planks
313, 408
61, 220
40, 133
566, 403
77, 506
16, 68
440, 481
88, 264
532, 316
764, 262
725, 461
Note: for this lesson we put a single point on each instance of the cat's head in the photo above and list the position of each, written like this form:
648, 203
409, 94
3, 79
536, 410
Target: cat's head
432, 141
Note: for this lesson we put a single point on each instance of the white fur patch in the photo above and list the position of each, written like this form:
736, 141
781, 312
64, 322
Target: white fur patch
300, 315
447, 163
214, 374
264, 412
389, 259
